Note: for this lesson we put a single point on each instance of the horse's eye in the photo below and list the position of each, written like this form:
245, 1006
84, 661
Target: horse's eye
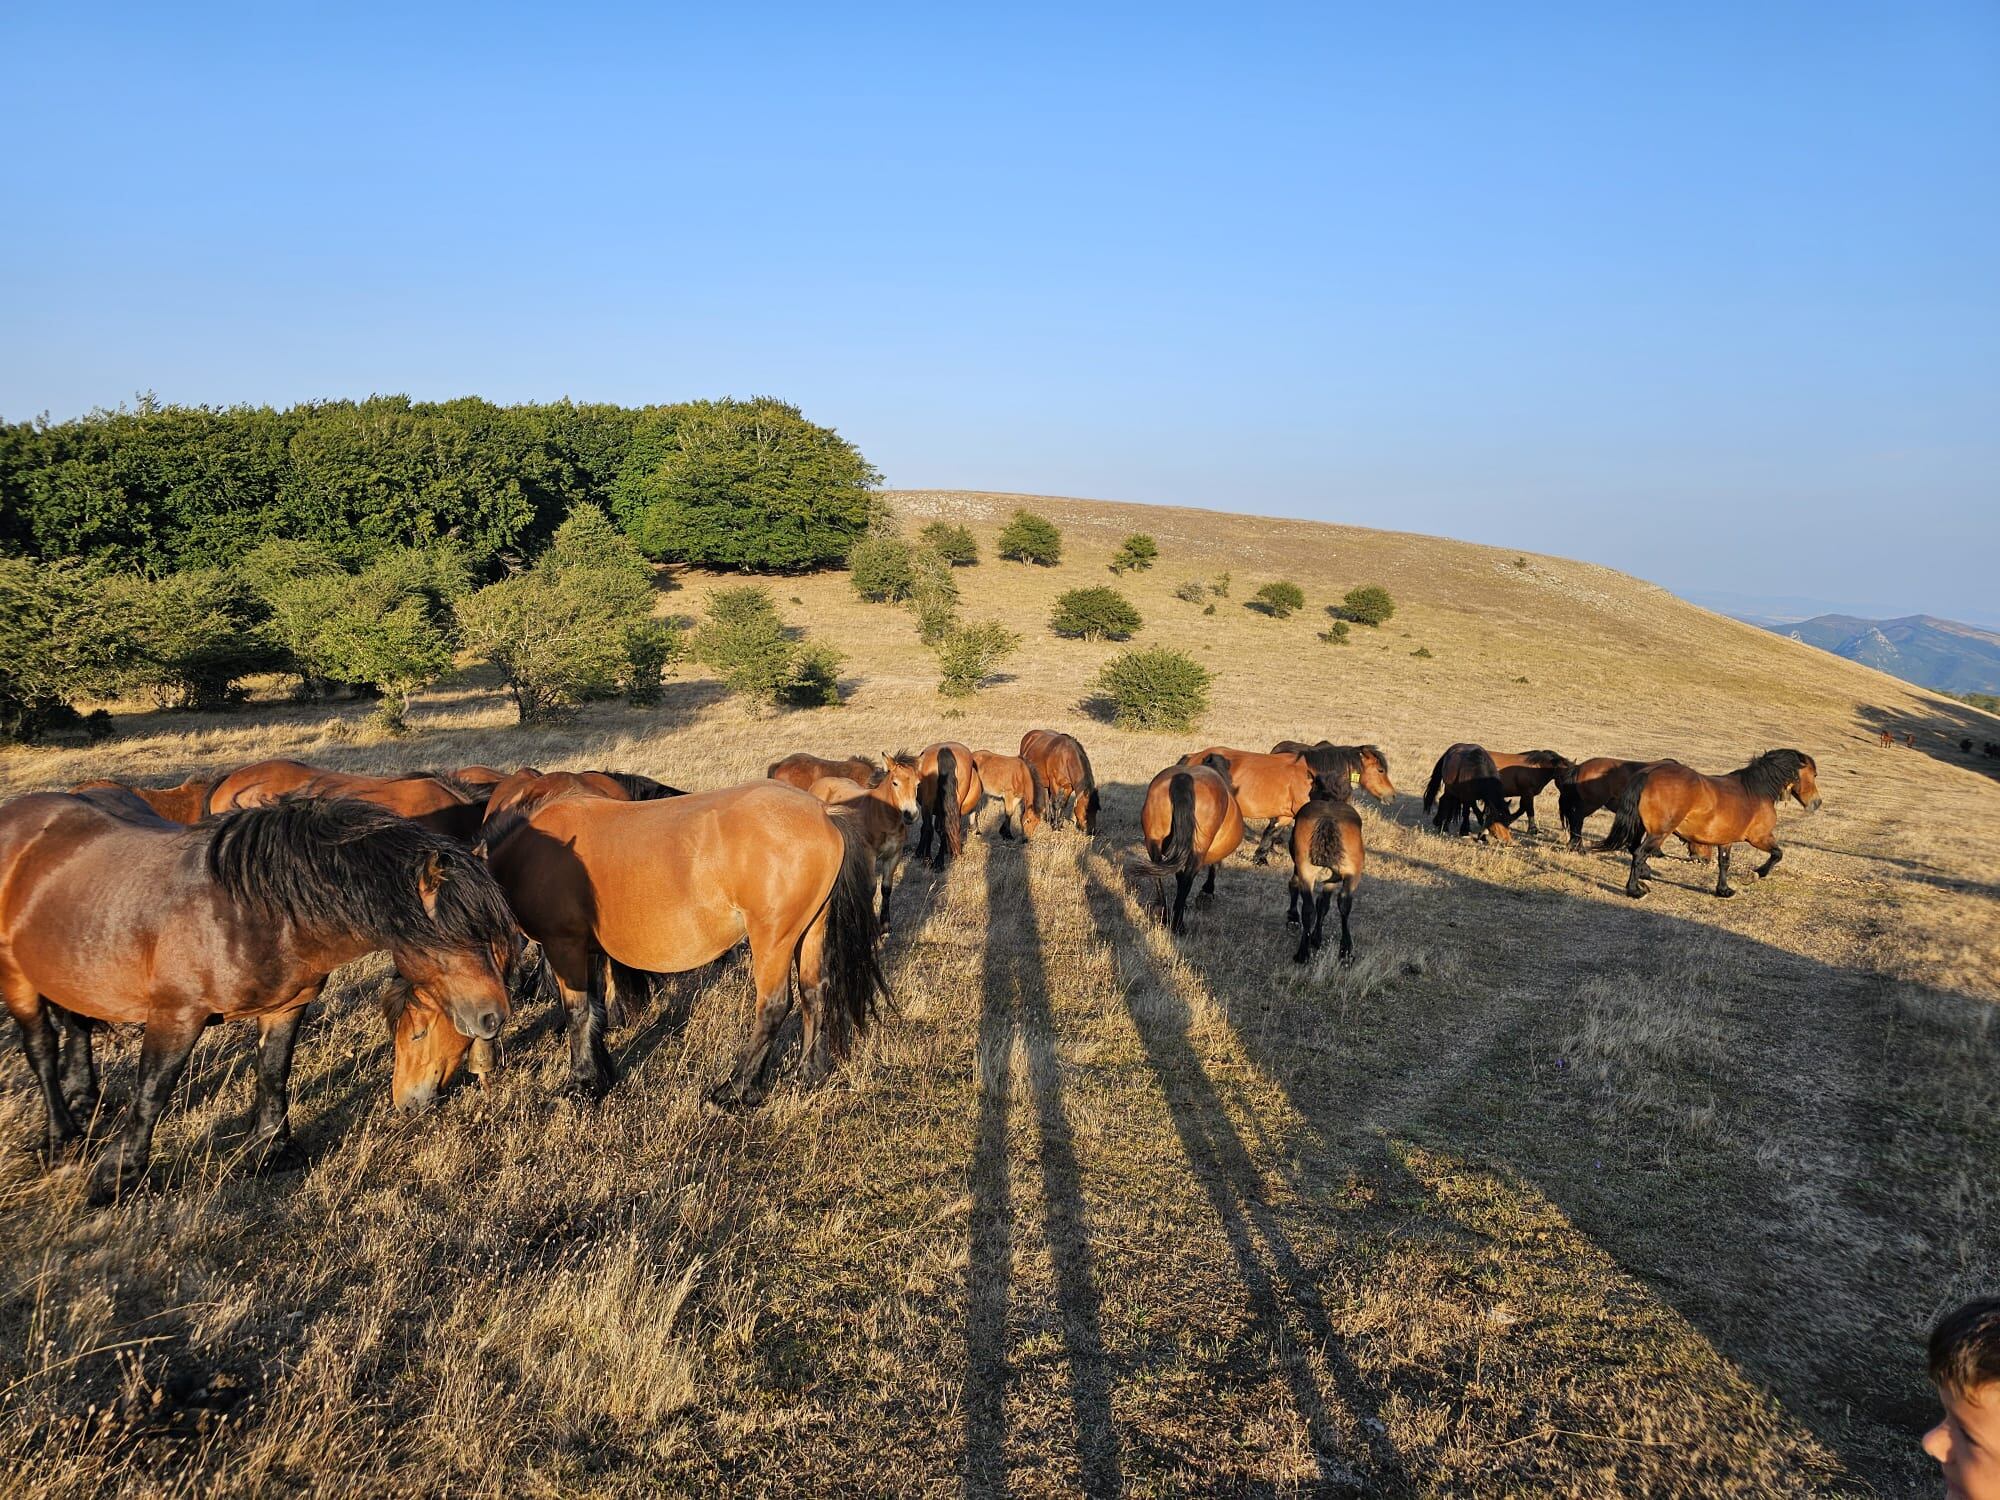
418, 1036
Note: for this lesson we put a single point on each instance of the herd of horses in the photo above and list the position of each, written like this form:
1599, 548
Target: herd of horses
236, 897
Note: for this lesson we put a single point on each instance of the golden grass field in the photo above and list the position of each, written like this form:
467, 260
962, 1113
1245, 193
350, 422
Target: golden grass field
1551, 1193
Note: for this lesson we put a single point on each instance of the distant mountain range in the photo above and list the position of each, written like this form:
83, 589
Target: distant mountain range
1942, 654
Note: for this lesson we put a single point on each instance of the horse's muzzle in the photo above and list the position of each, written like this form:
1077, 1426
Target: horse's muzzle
479, 1019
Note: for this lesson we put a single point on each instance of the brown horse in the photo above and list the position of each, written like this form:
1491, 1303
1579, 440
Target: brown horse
117, 917
885, 812
1011, 781
1463, 781
664, 887
1592, 786
1190, 822
481, 776
1068, 785
186, 803
1342, 768
1273, 787
1525, 774
1712, 812
951, 793
436, 801
802, 770
1326, 847
527, 789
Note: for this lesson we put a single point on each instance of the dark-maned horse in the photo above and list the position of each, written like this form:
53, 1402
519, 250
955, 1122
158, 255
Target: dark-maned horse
186, 803
885, 812
1272, 787
1069, 787
1342, 768
1011, 781
1592, 786
1465, 781
802, 770
1326, 848
431, 798
664, 887
527, 789
1524, 774
1712, 812
951, 793
121, 918
1190, 822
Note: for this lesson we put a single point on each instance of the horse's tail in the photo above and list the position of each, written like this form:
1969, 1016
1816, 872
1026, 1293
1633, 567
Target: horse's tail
1089, 794
849, 973
1177, 852
629, 991
948, 816
1569, 804
1628, 828
1436, 783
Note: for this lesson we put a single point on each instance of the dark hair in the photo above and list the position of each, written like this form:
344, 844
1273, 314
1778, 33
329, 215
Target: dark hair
1965, 1347
1770, 773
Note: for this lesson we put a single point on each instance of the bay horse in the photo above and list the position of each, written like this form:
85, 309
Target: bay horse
1190, 822
1011, 781
951, 793
1463, 781
885, 812
434, 800
1712, 812
667, 886
1591, 786
1341, 768
1063, 768
802, 770
116, 917
186, 803
527, 789
479, 776
1326, 849
1273, 787
1525, 774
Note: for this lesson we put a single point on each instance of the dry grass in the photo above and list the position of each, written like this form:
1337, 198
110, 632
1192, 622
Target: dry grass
1550, 1193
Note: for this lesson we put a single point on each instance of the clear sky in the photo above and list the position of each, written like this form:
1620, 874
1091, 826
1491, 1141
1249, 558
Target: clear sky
1706, 291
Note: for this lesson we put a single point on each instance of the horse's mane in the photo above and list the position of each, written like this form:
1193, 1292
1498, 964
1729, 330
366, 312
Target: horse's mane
334, 863
1548, 758
1770, 773
642, 788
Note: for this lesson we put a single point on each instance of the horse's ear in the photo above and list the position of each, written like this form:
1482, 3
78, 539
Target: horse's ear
480, 852
430, 879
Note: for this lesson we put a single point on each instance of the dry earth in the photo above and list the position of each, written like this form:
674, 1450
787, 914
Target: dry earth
1552, 1192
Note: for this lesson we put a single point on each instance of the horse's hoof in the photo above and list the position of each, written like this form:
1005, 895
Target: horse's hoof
588, 1087
1291, 919
280, 1156
1347, 958
1726, 891
1302, 956
1636, 891
109, 1184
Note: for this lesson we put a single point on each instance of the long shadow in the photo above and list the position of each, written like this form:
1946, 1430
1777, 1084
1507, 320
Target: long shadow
1942, 734
1017, 1009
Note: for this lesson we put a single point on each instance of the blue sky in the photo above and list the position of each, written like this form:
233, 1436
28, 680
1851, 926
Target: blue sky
1707, 292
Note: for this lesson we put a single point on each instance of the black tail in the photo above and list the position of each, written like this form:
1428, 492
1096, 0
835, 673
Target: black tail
1177, 853
851, 976
1569, 806
1436, 785
1628, 829
1089, 822
628, 992
950, 820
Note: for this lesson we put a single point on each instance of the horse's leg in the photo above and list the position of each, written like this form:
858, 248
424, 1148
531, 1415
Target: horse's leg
38, 1040
1208, 885
1263, 854
578, 978
1292, 907
1771, 844
1320, 903
1300, 916
170, 1038
1527, 809
926, 826
771, 972
1009, 815
1346, 909
79, 1064
271, 1147
1722, 885
1183, 883
815, 1060
1635, 880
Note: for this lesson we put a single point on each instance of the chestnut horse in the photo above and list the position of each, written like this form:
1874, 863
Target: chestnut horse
1068, 786
186, 803
1326, 847
1342, 768
1712, 812
1190, 822
1267, 786
482, 776
951, 793
430, 798
528, 789
116, 917
667, 886
1592, 786
1463, 781
885, 812
1011, 781
802, 770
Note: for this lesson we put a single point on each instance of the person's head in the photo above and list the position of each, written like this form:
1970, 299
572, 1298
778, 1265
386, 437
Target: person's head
1965, 1368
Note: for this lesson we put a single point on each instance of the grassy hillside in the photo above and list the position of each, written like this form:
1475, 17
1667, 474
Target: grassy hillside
1551, 1192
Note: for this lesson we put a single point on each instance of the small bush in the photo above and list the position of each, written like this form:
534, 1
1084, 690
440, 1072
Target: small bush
1220, 586
1335, 634
1368, 604
968, 654
815, 677
1136, 553
1280, 599
1156, 688
933, 596
1031, 538
193, 635
1194, 591
952, 542
1209, 610
651, 646
746, 645
879, 569
1423, 651
1095, 614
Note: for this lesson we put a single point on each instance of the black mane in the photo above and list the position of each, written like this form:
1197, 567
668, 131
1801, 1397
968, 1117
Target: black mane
1549, 758
1773, 771
333, 864
642, 788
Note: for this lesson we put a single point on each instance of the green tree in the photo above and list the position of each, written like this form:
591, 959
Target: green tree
967, 655
62, 641
954, 543
1095, 614
1031, 538
1136, 554
1156, 688
651, 646
1280, 599
1368, 604
879, 569
746, 644
393, 627
195, 635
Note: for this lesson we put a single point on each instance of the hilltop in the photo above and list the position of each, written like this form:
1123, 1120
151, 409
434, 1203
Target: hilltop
1944, 654
1551, 1192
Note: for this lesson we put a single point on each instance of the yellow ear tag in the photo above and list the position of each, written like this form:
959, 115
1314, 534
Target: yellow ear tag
1354, 778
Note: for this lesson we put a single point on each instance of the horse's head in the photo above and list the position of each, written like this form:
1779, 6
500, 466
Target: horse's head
1375, 774
1806, 787
429, 1051
903, 779
1086, 811
463, 970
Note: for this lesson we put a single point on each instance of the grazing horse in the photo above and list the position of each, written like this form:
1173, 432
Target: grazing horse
1190, 822
802, 770
1326, 847
667, 886
186, 803
1273, 787
1011, 782
527, 789
117, 917
480, 776
950, 794
430, 798
1068, 786
1712, 812
1524, 775
1464, 780
1342, 768
1595, 784
885, 812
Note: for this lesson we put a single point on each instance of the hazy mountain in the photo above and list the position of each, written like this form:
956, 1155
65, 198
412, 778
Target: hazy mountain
1942, 654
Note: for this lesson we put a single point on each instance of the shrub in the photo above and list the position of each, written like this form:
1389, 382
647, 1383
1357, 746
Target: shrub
651, 646
1335, 634
879, 569
952, 542
968, 654
815, 677
746, 645
1423, 651
61, 640
1279, 599
1136, 553
1194, 591
1220, 587
1368, 604
1156, 688
1208, 609
194, 635
1031, 538
1095, 614
933, 596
